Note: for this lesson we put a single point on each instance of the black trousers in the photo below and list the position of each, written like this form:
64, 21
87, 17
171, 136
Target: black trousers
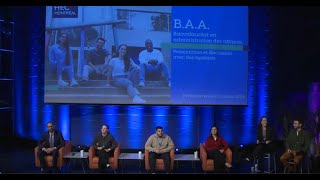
219, 159
41, 154
154, 156
259, 152
103, 158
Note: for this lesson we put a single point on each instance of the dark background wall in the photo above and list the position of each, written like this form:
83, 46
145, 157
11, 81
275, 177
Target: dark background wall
283, 61
295, 60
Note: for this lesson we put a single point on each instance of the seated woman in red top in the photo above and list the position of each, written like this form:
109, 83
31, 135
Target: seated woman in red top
216, 148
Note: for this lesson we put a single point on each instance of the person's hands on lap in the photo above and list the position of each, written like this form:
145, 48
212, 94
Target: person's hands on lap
108, 150
152, 61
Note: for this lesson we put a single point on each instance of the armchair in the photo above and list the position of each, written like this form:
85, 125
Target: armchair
113, 161
62, 152
207, 164
159, 162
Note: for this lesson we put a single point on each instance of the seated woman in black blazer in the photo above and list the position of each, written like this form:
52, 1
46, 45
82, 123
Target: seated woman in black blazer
265, 137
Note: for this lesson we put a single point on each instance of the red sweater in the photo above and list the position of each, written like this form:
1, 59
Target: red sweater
212, 144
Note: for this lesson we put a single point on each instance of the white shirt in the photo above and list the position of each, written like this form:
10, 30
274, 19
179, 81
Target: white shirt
145, 56
117, 65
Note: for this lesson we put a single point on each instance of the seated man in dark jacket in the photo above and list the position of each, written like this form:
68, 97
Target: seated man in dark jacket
297, 144
49, 144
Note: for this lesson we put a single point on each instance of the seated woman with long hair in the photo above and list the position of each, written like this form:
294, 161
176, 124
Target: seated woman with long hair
125, 73
216, 148
265, 138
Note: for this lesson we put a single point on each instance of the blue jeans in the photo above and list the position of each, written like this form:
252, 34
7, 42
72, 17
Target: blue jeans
59, 67
127, 82
153, 72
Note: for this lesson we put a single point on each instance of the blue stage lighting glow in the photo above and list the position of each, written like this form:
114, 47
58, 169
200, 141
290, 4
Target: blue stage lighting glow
135, 124
64, 121
160, 117
207, 121
186, 123
111, 118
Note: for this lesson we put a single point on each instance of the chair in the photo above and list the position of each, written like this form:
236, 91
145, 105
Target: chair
159, 162
207, 164
113, 161
268, 156
62, 152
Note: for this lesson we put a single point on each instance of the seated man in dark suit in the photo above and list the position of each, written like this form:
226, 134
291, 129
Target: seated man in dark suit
50, 143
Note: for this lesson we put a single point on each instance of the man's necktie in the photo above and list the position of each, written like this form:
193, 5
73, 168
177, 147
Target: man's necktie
51, 141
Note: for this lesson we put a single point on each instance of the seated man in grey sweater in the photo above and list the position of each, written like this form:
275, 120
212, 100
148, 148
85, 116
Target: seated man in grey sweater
159, 145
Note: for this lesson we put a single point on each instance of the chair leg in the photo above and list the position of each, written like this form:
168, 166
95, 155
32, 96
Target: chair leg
269, 164
254, 165
274, 164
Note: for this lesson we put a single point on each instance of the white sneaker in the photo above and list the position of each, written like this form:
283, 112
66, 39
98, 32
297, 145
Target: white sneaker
108, 165
256, 168
62, 83
142, 84
228, 165
137, 91
252, 169
84, 80
138, 99
74, 83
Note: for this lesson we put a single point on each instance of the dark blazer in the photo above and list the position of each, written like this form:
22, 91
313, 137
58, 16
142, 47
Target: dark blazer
106, 142
269, 134
298, 143
58, 140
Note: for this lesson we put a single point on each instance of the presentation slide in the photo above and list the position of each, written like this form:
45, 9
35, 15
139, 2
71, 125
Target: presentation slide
157, 55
